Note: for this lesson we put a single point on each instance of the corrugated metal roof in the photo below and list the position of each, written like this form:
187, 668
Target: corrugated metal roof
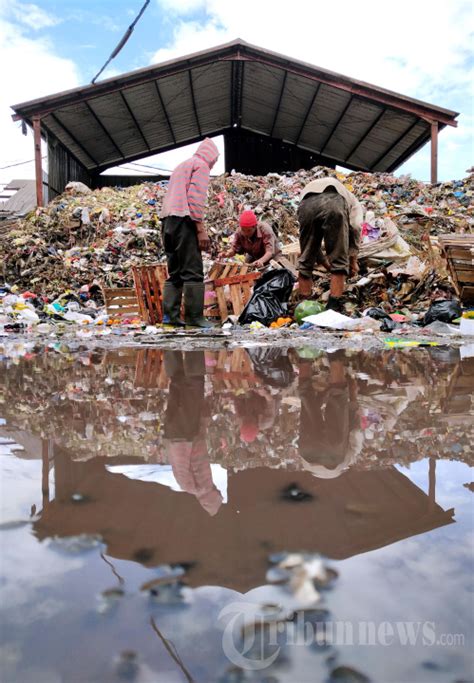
23, 201
151, 110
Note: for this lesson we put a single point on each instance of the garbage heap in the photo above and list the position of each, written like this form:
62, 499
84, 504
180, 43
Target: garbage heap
85, 239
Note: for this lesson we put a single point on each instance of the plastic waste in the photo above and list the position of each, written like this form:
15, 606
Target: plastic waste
281, 322
438, 327
445, 310
333, 320
27, 315
73, 316
467, 323
387, 324
269, 299
78, 187
309, 353
256, 326
376, 313
306, 308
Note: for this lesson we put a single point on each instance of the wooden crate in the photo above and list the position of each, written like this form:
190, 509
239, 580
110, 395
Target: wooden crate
150, 370
232, 284
234, 371
149, 282
121, 302
459, 253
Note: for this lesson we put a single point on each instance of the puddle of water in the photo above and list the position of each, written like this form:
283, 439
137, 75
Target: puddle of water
261, 515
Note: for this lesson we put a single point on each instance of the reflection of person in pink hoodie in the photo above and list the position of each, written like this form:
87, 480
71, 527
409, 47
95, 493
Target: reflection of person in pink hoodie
184, 236
192, 471
185, 443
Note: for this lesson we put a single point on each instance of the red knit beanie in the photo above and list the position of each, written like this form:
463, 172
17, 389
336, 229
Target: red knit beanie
248, 219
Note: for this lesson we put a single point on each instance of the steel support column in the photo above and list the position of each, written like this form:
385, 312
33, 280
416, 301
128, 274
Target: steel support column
38, 165
434, 152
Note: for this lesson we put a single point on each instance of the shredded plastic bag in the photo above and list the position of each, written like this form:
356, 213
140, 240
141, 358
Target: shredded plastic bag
269, 300
445, 310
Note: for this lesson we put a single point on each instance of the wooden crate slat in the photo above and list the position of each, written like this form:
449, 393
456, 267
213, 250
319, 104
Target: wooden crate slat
236, 298
236, 279
465, 275
121, 301
149, 281
459, 253
246, 291
221, 302
137, 284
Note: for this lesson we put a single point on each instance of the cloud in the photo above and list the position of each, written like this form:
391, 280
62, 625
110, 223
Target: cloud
28, 14
182, 6
34, 70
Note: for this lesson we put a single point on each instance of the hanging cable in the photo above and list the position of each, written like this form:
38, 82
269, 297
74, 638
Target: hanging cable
20, 163
125, 37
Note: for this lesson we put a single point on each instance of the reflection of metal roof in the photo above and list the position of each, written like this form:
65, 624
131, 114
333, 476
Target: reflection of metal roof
237, 85
355, 513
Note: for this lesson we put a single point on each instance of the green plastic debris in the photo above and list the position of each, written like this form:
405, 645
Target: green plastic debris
306, 308
309, 352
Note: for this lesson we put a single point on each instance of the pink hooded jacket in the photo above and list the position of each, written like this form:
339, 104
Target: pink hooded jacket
187, 189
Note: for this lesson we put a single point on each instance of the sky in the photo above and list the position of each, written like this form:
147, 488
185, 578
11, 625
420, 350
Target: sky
421, 48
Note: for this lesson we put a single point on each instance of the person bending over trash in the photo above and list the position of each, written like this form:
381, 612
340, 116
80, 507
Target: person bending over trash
184, 236
254, 238
329, 212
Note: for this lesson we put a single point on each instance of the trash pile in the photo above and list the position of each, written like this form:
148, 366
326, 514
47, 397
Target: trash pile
59, 257
84, 236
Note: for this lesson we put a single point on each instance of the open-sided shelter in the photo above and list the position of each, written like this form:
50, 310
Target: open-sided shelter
275, 114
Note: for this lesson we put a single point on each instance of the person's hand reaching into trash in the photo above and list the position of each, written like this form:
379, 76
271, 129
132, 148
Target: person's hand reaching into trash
225, 253
204, 242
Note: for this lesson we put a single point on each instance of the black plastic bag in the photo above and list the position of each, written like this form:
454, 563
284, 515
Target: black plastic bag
272, 365
388, 324
269, 299
377, 313
263, 308
445, 310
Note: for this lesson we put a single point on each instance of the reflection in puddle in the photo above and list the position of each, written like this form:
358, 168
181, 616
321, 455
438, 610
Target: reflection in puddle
164, 505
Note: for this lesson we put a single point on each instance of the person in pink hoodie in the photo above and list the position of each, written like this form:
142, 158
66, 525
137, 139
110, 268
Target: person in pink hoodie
184, 236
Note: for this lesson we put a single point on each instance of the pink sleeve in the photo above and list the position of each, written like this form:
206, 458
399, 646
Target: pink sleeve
197, 190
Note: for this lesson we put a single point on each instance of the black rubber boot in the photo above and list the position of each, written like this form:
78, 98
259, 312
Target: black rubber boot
194, 305
172, 305
335, 303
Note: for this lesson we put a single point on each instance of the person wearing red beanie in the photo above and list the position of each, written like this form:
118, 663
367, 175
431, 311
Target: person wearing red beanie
255, 239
